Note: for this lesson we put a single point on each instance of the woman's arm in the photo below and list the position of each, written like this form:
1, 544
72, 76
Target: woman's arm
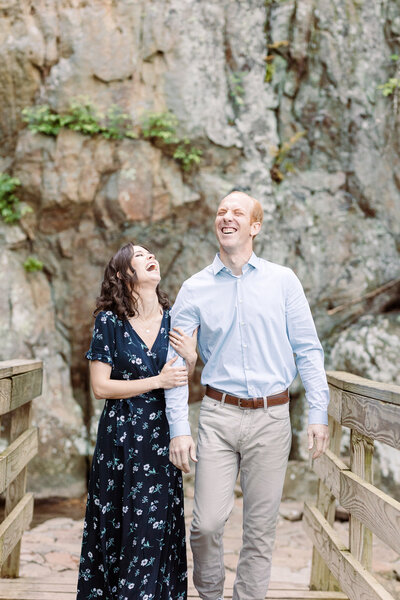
185, 346
104, 387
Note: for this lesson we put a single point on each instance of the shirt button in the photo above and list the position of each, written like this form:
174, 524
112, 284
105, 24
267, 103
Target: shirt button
240, 301
244, 345
243, 323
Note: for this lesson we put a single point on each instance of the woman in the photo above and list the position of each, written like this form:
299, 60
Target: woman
133, 544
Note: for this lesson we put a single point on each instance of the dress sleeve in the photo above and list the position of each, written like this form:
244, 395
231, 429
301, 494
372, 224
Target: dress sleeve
102, 346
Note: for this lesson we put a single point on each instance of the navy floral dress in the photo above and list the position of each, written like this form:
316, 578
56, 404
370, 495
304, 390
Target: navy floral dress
133, 545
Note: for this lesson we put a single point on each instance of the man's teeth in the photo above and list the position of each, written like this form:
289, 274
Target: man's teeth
228, 230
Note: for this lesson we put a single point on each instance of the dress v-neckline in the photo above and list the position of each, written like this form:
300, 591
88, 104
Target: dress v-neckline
155, 339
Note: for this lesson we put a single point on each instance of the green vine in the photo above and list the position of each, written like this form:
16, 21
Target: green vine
11, 209
281, 164
83, 117
160, 128
392, 85
236, 90
33, 264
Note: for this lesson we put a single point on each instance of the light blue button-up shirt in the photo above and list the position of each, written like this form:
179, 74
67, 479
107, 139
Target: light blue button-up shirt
255, 332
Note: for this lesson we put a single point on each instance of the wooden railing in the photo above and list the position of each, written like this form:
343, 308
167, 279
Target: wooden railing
20, 383
371, 411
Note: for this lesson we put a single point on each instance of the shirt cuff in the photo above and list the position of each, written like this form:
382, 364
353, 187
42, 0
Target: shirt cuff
316, 416
179, 428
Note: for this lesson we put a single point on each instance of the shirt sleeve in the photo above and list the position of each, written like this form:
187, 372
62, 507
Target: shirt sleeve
102, 346
308, 351
184, 315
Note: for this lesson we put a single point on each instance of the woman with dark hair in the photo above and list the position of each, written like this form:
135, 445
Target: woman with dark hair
133, 544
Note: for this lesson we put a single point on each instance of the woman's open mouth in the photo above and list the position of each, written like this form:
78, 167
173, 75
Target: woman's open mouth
152, 267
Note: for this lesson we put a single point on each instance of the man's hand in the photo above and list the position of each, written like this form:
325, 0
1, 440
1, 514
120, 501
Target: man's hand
319, 433
180, 448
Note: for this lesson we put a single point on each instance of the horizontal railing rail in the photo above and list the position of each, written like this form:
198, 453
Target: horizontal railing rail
371, 410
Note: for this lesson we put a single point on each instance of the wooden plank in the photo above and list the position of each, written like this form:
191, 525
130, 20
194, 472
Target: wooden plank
14, 525
8, 368
20, 389
5, 395
378, 511
40, 585
328, 468
290, 595
354, 579
372, 418
26, 387
335, 403
321, 578
10, 590
10, 594
361, 454
387, 392
17, 456
20, 421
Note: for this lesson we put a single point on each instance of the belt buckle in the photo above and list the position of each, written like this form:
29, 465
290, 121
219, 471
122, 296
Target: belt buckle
240, 404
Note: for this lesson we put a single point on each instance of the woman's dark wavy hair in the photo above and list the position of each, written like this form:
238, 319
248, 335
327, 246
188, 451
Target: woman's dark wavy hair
116, 291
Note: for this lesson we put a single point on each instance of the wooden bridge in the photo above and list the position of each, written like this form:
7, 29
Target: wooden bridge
370, 410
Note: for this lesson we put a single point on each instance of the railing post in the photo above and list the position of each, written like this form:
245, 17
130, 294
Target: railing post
20, 421
20, 383
321, 578
361, 455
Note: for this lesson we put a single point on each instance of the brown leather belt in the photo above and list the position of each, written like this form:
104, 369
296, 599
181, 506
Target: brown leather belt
281, 398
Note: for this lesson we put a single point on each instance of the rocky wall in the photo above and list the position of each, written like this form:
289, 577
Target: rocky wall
270, 91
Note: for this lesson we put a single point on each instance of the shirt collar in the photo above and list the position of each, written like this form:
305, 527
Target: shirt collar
218, 265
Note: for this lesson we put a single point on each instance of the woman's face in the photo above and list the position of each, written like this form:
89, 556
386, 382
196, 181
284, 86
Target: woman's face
146, 266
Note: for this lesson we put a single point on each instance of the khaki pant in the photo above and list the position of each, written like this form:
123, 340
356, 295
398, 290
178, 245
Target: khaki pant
257, 442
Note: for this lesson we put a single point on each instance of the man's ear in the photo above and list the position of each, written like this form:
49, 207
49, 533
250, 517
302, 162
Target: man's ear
255, 228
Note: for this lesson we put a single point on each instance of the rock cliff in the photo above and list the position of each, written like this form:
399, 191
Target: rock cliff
282, 98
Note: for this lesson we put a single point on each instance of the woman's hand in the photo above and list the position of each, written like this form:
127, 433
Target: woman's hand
171, 377
184, 345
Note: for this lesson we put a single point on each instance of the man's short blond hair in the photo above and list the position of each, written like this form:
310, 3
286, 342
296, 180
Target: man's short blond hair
257, 213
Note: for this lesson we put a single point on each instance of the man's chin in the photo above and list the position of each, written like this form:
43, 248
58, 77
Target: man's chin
227, 240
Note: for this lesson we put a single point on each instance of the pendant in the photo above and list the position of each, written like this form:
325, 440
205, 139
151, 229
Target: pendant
147, 330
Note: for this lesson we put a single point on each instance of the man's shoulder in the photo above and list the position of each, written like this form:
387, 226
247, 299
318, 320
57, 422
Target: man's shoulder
275, 269
198, 278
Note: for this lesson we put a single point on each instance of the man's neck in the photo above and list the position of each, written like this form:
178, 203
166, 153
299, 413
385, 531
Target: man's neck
235, 260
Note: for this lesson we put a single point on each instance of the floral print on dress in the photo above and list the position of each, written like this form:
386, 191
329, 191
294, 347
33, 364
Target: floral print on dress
133, 545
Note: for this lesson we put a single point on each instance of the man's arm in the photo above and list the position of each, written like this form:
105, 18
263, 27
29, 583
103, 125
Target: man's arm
183, 314
310, 363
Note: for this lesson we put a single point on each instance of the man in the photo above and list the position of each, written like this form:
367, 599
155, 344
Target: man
255, 328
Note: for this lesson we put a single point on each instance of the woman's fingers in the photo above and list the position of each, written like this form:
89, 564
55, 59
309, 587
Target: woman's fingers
179, 330
171, 361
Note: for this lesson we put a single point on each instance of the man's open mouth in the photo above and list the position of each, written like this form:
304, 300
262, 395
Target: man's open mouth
228, 230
